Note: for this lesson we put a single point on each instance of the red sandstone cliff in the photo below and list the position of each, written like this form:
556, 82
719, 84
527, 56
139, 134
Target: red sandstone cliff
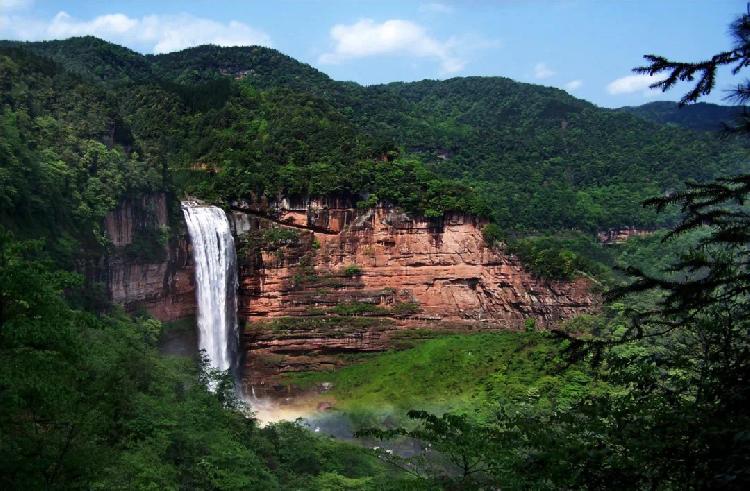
443, 266
143, 272
319, 278
328, 280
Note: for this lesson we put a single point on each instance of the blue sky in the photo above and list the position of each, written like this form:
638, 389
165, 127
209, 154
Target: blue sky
586, 47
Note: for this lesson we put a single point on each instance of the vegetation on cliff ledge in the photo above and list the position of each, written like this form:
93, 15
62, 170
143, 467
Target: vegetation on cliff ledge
470, 373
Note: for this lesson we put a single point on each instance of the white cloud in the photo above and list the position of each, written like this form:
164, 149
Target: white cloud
436, 8
573, 85
8, 5
400, 37
63, 25
151, 33
633, 83
541, 70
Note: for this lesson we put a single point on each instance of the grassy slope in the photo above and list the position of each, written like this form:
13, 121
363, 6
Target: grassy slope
461, 372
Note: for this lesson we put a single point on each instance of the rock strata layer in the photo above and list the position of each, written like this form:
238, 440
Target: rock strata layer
312, 272
384, 258
319, 278
145, 267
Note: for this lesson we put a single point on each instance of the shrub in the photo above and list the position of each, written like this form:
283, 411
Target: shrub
562, 256
404, 309
278, 236
148, 245
493, 234
352, 270
359, 308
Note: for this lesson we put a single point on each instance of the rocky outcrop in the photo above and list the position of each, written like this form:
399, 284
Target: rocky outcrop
385, 258
323, 215
148, 266
620, 235
320, 279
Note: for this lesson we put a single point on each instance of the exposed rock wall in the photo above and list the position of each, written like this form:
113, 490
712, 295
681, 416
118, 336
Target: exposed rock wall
443, 266
323, 262
146, 268
620, 235
319, 278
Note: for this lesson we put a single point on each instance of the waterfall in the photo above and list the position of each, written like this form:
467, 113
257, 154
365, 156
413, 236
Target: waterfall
216, 283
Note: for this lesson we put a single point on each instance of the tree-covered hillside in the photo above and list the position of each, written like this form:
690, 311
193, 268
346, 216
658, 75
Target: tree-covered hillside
67, 157
545, 160
236, 122
702, 116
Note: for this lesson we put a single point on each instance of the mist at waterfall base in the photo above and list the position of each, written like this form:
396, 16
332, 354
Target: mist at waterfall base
215, 261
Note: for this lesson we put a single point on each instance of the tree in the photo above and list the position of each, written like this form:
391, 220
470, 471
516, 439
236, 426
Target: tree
700, 325
705, 70
458, 451
678, 362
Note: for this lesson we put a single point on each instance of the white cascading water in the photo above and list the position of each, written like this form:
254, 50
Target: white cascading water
216, 283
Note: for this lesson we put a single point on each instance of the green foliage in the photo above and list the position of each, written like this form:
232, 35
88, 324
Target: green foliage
305, 273
405, 309
249, 122
370, 202
359, 308
465, 373
540, 159
562, 256
64, 161
352, 270
701, 116
333, 325
654, 254
148, 245
250, 244
493, 234
276, 237
464, 453
399, 309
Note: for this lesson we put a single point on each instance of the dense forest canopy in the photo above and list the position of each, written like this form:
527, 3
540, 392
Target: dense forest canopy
233, 123
701, 116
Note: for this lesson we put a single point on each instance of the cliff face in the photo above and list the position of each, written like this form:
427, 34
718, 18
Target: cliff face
318, 279
621, 235
384, 258
145, 269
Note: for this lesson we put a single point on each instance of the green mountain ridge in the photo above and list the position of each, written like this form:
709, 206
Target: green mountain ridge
702, 116
531, 158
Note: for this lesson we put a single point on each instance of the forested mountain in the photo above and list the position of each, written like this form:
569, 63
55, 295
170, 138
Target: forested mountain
259, 122
87, 401
67, 155
702, 116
